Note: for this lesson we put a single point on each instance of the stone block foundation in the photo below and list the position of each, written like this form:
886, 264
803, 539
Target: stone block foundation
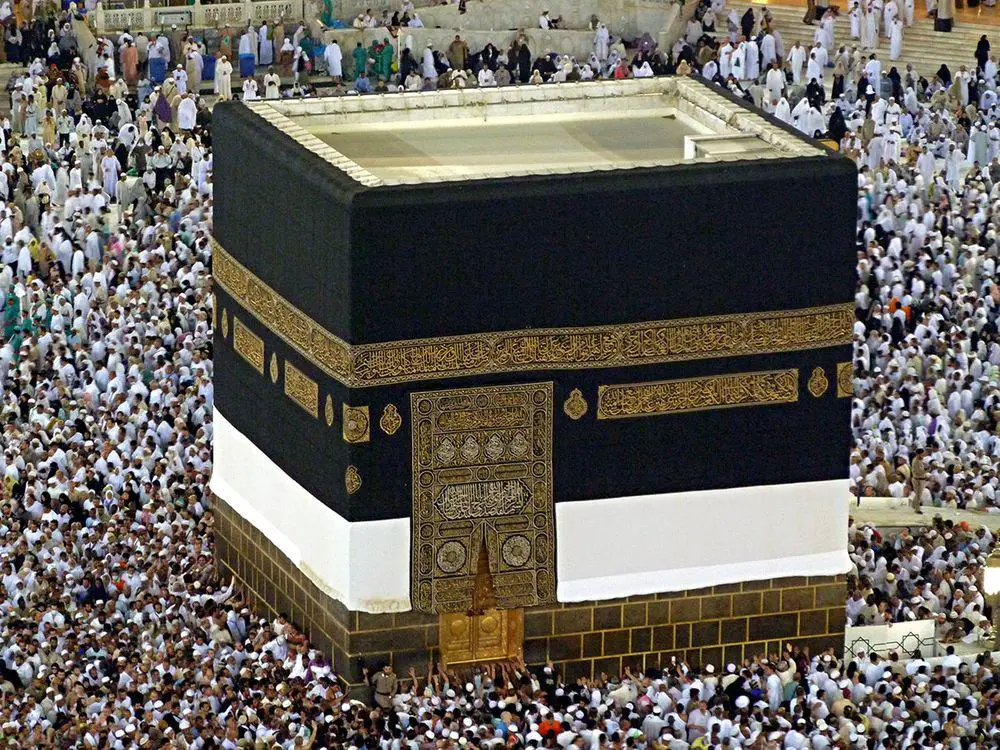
715, 625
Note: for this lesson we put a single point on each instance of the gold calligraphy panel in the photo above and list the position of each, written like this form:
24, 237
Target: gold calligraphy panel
301, 389
248, 345
697, 394
624, 345
482, 475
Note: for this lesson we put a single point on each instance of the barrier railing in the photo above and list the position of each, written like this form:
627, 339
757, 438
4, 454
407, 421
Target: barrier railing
903, 638
146, 15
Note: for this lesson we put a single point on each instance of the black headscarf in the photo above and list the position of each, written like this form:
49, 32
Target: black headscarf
838, 127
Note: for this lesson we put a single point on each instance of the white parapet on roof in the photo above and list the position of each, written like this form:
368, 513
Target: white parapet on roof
411, 138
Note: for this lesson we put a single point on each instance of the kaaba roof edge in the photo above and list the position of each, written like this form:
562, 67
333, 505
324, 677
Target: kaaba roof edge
709, 107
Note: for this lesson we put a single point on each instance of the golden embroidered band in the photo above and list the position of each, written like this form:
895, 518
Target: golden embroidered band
360, 365
697, 394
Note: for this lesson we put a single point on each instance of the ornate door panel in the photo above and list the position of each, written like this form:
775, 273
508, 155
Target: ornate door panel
495, 635
482, 474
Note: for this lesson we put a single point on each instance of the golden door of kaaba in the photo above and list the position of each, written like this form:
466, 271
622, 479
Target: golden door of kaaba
484, 633
483, 531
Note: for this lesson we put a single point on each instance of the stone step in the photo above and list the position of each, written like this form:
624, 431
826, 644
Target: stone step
923, 47
507, 14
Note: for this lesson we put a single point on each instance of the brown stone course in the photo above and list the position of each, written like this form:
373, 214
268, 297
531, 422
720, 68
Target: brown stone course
717, 624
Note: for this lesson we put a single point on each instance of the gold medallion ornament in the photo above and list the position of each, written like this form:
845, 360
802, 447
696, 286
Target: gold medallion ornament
575, 405
818, 382
845, 379
390, 421
225, 323
357, 428
352, 480
274, 368
328, 411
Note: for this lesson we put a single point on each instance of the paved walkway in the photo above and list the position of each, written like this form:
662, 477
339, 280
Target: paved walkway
980, 14
890, 513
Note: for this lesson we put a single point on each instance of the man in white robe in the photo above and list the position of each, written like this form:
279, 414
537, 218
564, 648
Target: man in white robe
739, 62
873, 71
692, 32
962, 79
187, 113
248, 43
990, 70
753, 59
891, 146
250, 89
726, 60
953, 166
427, 69
265, 54
869, 37
768, 50
796, 59
602, 42
334, 57
896, 39
826, 31
814, 71
180, 79
889, 14
822, 56
926, 164
775, 81
223, 79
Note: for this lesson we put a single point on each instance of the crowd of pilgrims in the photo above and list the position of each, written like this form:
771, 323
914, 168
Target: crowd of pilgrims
118, 631
933, 572
744, 53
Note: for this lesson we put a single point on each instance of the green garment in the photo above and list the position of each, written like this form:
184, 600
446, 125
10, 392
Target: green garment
383, 62
360, 56
11, 315
307, 47
327, 17
373, 55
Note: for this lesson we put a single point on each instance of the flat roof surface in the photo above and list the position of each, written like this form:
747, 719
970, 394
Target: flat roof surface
430, 151
529, 130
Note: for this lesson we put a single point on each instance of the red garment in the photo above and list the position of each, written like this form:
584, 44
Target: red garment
549, 726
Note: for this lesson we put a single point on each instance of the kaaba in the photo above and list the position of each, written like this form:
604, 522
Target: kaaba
552, 372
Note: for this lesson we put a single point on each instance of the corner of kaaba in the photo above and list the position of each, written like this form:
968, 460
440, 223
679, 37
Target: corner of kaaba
571, 383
